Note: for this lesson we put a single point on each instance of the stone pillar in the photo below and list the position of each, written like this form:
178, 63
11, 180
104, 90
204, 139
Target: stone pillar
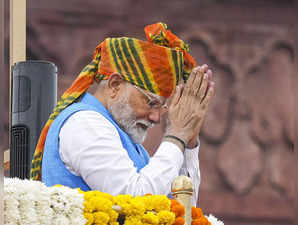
17, 42
182, 190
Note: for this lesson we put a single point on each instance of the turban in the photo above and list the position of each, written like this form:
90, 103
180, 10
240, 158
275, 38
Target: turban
156, 65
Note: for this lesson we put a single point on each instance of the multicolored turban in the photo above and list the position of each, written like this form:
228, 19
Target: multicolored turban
156, 65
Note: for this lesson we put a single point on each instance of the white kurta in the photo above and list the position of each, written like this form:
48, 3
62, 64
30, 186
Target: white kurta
90, 147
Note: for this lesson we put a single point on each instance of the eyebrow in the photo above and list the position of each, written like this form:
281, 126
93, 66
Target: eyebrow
160, 98
153, 96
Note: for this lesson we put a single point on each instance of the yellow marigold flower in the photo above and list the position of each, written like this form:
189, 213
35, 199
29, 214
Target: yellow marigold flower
136, 207
156, 203
88, 207
101, 218
161, 202
105, 195
122, 199
166, 217
150, 218
88, 195
148, 201
113, 215
130, 205
89, 217
132, 220
114, 223
80, 191
97, 204
102, 204
98, 209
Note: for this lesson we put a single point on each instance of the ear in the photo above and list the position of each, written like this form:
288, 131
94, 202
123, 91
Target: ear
114, 84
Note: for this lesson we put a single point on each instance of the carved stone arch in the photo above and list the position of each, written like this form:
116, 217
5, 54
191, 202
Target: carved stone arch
204, 37
272, 76
221, 111
274, 45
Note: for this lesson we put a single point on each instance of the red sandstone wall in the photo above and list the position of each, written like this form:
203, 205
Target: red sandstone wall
247, 156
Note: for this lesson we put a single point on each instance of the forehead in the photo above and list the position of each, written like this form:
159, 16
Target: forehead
160, 98
151, 95
155, 96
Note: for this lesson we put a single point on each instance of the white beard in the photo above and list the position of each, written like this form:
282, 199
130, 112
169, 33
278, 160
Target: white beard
126, 119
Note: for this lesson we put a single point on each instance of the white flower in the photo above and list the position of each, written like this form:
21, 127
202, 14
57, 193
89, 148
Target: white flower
213, 220
60, 219
31, 202
11, 211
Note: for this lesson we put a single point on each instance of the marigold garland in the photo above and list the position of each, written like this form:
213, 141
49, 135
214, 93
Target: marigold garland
179, 221
145, 210
31, 202
198, 217
179, 211
98, 208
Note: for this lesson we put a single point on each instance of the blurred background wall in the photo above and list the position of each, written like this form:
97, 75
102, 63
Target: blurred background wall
247, 159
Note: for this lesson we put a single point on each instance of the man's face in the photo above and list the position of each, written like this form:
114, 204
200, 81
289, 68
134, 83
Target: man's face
136, 111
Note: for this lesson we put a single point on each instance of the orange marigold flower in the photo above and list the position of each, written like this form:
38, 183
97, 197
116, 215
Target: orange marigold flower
196, 213
178, 210
179, 221
195, 222
201, 221
174, 202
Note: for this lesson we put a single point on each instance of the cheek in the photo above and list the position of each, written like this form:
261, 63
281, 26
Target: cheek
139, 108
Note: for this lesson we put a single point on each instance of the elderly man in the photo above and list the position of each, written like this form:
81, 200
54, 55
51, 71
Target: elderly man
94, 141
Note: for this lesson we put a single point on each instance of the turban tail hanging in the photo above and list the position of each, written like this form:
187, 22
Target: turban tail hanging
156, 65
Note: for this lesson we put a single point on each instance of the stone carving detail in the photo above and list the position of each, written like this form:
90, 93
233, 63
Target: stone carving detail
280, 176
250, 114
239, 164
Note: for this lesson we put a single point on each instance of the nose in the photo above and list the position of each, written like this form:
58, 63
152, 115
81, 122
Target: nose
154, 115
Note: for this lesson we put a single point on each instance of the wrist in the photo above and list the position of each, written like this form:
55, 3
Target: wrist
175, 140
181, 134
193, 143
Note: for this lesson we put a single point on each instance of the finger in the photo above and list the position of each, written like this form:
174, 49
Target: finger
210, 93
200, 74
177, 94
190, 81
203, 88
198, 80
192, 76
210, 74
205, 68
193, 84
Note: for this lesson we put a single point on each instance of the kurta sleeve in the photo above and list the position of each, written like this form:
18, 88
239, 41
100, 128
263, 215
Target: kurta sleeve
191, 168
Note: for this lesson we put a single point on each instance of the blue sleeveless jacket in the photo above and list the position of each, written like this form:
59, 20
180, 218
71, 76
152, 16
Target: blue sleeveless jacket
54, 170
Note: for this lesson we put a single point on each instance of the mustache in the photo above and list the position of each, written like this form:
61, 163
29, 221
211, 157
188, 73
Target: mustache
147, 123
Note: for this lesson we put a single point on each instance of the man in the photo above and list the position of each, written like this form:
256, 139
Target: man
94, 141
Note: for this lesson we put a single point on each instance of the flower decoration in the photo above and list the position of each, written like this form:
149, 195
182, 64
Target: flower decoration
31, 202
